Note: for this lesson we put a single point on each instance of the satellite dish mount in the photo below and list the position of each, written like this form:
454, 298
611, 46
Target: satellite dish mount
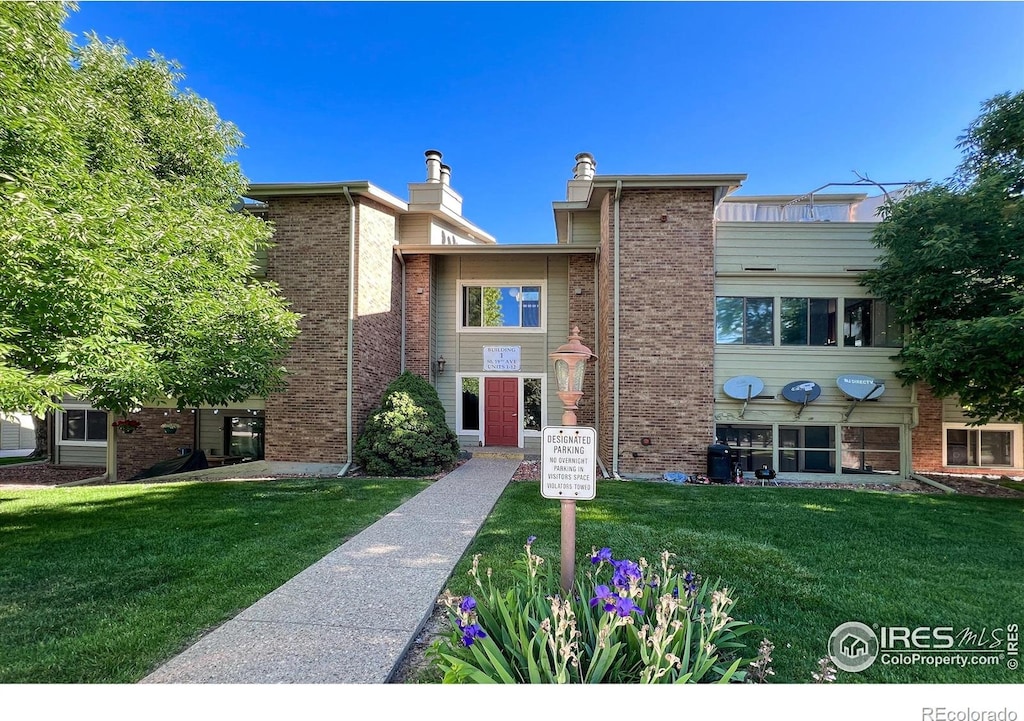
802, 393
743, 388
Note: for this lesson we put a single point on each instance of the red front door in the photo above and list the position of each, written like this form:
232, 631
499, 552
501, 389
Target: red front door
501, 412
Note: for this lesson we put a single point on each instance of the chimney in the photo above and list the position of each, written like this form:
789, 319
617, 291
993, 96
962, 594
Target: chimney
446, 175
433, 166
582, 178
585, 166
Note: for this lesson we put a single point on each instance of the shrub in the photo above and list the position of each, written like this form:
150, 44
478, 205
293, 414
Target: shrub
626, 623
407, 435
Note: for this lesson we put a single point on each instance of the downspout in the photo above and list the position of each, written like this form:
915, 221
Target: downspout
401, 259
351, 328
615, 354
597, 349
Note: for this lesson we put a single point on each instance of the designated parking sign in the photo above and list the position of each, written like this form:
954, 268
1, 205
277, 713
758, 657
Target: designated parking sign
568, 463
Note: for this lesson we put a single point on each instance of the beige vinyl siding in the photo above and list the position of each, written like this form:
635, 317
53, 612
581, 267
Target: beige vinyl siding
414, 229
464, 351
778, 365
17, 432
586, 227
211, 432
81, 455
795, 247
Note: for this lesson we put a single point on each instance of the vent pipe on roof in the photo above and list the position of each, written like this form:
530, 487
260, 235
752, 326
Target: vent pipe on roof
585, 166
446, 175
433, 166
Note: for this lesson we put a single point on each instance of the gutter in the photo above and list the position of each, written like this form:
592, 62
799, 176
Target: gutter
401, 259
615, 353
351, 328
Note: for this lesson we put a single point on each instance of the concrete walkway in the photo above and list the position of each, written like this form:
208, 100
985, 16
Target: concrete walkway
350, 617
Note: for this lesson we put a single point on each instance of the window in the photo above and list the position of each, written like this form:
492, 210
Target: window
506, 306
745, 321
808, 321
807, 449
871, 449
83, 425
470, 404
752, 445
532, 404
868, 323
243, 436
979, 447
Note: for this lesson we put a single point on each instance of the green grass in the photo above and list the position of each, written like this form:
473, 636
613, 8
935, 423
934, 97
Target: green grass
101, 584
11, 460
801, 561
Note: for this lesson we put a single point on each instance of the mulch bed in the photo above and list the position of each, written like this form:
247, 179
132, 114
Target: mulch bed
966, 485
44, 475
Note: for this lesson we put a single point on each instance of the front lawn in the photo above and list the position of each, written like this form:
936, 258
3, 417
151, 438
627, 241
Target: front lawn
100, 584
801, 561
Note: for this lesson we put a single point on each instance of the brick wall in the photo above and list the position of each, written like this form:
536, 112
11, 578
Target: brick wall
148, 444
926, 438
605, 332
417, 314
376, 352
306, 422
581, 313
666, 385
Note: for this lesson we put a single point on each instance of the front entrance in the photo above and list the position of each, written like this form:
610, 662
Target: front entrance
501, 412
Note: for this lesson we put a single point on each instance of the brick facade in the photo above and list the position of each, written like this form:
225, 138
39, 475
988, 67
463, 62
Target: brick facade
149, 444
667, 327
605, 334
376, 358
926, 437
581, 313
417, 314
306, 422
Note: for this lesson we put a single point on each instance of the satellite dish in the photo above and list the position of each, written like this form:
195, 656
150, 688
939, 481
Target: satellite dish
743, 387
860, 388
801, 391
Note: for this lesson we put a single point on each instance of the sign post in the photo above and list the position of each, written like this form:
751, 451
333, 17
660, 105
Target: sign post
569, 453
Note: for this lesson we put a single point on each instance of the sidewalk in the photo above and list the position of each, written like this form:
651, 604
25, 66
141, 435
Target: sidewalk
350, 617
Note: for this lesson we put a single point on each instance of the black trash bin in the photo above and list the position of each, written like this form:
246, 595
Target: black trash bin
720, 462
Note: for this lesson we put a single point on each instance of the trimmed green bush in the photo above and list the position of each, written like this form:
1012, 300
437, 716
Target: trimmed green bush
407, 435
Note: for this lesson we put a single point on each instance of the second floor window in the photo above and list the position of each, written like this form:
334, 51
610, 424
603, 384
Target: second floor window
808, 321
866, 323
515, 306
746, 321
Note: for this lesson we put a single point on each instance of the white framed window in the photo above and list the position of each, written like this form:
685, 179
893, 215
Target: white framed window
81, 425
996, 445
501, 306
469, 403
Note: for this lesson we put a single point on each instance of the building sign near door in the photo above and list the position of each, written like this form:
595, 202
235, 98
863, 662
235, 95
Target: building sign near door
502, 357
569, 463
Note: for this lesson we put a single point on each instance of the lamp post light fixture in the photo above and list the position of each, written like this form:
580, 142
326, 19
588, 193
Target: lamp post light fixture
570, 369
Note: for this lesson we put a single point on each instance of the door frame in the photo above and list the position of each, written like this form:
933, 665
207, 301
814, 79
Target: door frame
523, 433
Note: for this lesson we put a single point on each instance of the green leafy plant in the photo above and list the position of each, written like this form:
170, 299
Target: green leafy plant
626, 623
408, 435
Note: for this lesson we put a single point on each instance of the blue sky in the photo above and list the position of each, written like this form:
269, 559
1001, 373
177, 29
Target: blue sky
794, 94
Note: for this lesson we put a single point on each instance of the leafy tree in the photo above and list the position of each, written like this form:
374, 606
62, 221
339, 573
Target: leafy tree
408, 434
952, 270
126, 269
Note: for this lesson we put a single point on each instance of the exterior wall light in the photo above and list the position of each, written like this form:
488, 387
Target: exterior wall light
439, 365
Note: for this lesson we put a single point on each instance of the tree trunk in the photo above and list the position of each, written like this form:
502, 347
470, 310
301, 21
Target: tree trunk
112, 455
42, 446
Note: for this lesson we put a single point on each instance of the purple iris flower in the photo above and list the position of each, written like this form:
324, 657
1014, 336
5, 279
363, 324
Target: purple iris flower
468, 604
625, 606
470, 633
605, 554
604, 596
625, 573
530, 540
